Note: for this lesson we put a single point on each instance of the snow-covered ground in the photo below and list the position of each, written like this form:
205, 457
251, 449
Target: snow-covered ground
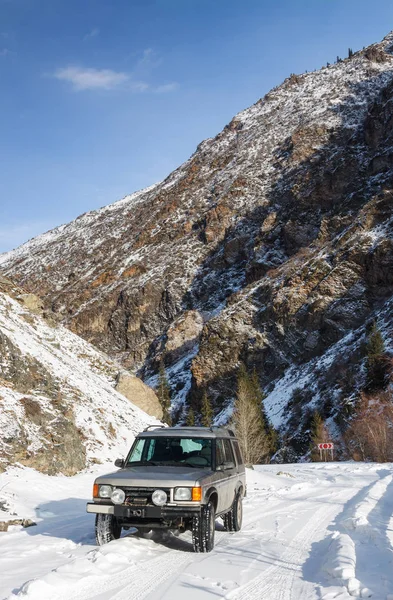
311, 531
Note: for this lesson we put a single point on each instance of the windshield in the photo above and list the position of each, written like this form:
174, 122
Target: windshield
171, 451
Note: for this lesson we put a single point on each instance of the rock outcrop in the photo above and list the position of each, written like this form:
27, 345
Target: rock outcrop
139, 394
59, 411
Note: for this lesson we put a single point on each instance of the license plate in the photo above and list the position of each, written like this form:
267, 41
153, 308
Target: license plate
136, 512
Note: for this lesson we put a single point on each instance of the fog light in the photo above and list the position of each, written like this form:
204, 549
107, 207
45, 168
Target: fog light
118, 496
159, 497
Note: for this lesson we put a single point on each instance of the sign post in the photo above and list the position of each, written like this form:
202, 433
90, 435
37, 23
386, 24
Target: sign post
324, 449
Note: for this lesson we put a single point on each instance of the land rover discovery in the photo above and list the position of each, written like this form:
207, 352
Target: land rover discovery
173, 478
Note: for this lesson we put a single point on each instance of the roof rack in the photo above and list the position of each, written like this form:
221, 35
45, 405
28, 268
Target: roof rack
154, 427
191, 427
230, 431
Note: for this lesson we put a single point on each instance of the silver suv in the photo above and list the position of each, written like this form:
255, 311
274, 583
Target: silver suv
173, 478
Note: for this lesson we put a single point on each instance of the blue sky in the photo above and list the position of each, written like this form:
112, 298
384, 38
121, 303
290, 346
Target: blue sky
100, 98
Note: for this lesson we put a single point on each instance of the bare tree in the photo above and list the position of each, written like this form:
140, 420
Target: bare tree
248, 419
370, 435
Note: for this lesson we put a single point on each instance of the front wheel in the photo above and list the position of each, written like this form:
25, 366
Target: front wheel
233, 519
107, 529
203, 528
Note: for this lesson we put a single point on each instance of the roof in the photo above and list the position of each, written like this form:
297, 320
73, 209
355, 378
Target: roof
200, 432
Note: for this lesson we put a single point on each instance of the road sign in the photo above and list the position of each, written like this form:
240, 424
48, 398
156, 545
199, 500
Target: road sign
325, 449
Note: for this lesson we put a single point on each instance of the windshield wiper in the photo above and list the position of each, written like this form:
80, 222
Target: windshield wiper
140, 463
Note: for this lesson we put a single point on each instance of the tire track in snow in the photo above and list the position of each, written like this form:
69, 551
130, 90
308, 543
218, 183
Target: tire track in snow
139, 580
276, 582
160, 575
151, 574
224, 539
143, 579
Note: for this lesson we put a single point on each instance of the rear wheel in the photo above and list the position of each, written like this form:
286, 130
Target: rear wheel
203, 528
107, 529
233, 519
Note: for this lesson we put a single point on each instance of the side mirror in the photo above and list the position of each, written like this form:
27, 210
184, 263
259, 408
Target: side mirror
119, 462
225, 466
229, 465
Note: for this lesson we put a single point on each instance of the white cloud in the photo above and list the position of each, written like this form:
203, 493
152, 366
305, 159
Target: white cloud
166, 87
92, 34
149, 61
91, 79
138, 86
136, 81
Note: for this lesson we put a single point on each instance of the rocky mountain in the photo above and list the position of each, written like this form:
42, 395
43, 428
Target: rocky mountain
271, 245
59, 411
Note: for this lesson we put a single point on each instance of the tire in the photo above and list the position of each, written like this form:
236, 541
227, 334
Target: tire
233, 519
107, 529
203, 529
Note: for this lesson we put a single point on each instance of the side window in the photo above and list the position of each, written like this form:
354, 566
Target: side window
219, 453
228, 454
237, 452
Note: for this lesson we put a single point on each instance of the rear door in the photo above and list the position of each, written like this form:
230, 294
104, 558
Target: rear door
220, 478
231, 473
240, 468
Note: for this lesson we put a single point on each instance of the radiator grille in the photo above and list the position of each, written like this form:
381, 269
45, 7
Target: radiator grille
142, 496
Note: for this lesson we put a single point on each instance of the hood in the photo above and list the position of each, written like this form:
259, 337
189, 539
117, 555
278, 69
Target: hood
154, 476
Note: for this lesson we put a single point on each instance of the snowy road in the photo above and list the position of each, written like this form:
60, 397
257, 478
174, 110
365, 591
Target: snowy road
318, 531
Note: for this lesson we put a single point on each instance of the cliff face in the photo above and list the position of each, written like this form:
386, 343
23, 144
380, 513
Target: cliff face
59, 411
270, 245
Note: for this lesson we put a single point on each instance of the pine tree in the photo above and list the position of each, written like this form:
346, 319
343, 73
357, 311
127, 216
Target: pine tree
350, 52
273, 439
248, 419
190, 420
206, 411
376, 360
319, 435
375, 343
164, 394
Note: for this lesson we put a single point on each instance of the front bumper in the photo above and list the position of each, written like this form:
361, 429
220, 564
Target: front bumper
144, 512
105, 509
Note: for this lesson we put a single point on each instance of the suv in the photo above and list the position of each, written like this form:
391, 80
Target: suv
173, 478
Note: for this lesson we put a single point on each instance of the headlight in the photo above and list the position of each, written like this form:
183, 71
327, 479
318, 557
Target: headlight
118, 496
159, 497
182, 494
105, 491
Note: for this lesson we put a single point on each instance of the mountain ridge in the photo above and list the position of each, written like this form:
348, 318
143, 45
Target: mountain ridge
257, 249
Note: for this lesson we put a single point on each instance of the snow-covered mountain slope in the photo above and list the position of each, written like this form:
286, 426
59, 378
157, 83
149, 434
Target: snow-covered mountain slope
309, 531
270, 245
59, 410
